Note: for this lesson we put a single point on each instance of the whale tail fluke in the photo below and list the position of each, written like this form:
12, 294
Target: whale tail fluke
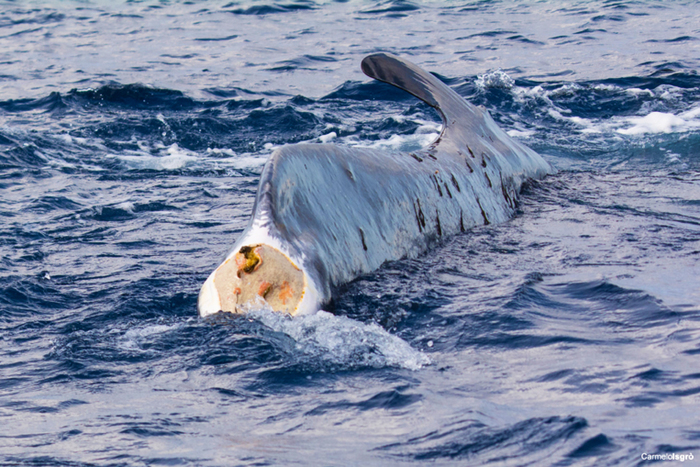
423, 85
467, 129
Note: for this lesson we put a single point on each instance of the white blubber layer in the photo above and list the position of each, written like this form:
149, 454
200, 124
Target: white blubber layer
209, 301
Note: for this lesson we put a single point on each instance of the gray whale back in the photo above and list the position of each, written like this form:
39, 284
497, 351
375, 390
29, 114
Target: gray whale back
349, 210
341, 212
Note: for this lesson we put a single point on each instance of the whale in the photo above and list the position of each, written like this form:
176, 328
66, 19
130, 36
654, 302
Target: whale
326, 214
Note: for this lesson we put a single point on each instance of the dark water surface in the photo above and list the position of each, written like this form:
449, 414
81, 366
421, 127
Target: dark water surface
132, 136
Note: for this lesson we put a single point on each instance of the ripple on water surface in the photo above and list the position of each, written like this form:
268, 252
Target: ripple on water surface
567, 335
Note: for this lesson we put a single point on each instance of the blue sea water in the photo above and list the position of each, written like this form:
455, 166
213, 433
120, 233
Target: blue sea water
132, 137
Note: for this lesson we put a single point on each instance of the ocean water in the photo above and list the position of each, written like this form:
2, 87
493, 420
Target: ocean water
132, 137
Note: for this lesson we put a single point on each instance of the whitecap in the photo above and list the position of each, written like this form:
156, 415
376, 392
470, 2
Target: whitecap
660, 122
639, 92
520, 133
220, 151
176, 158
127, 206
498, 79
587, 126
328, 137
244, 161
566, 90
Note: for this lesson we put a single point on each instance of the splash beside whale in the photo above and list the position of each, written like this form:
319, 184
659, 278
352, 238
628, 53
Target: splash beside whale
326, 214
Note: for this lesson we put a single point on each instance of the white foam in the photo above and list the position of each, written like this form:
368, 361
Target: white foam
224, 151
176, 158
587, 126
638, 92
538, 92
673, 157
341, 341
568, 90
403, 143
690, 114
249, 162
660, 122
329, 137
520, 133
243, 161
65, 137
653, 123
429, 128
134, 338
495, 79
607, 87
127, 206
668, 92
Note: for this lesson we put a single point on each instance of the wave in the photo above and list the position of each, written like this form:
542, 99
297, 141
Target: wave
273, 8
327, 341
50, 103
118, 128
531, 440
133, 96
362, 91
391, 8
